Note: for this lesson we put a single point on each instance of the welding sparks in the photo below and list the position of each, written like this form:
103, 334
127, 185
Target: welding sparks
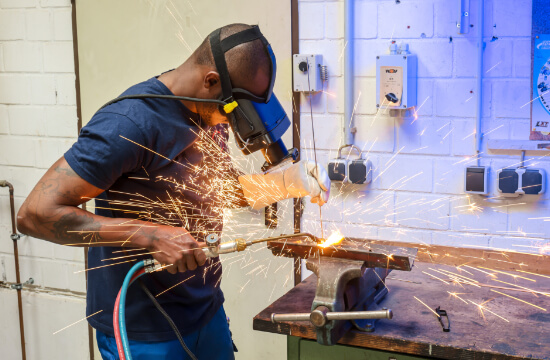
515, 298
455, 295
481, 308
334, 239
76, 322
429, 308
171, 287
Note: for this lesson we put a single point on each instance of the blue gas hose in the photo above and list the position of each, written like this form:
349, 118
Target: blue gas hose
121, 317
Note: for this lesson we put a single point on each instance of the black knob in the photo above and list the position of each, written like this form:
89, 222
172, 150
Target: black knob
303, 66
392, 97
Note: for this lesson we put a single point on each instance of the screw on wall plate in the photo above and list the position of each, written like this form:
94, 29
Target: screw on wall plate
404, 106
378, 57
404, 57
377, 105
20, 286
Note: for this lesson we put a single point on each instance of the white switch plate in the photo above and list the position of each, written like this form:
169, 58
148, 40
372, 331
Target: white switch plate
310, 79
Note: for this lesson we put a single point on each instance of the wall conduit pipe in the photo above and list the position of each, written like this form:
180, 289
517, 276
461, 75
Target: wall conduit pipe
349, 129
15, 236
479, 78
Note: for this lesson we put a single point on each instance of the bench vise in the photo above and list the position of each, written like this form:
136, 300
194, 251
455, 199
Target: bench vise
350, 284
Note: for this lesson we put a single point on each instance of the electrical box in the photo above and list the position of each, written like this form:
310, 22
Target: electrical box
356, 171
308, 72
360, 171
337, 169
396, 78
521, 181
476, 180
508, 182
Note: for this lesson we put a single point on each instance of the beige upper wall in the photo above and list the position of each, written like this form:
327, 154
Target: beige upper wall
123, 42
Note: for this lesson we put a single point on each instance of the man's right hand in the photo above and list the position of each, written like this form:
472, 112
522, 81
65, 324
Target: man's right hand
174, 246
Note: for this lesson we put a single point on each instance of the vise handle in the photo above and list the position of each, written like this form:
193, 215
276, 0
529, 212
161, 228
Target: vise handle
320, 316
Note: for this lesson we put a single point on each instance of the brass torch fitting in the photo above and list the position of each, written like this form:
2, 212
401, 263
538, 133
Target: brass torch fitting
241, 244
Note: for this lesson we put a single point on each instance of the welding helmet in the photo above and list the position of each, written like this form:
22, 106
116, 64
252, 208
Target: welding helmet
258, 122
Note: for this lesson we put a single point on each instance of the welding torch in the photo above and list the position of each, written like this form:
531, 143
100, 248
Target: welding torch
213, 247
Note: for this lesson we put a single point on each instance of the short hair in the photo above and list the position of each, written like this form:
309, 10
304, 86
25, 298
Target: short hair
243, 61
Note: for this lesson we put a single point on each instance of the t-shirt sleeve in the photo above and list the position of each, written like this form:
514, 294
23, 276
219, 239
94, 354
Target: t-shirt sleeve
107, 147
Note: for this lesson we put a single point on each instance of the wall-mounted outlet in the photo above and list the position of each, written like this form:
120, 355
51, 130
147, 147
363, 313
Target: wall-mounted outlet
476, 180
513, 182
306, 71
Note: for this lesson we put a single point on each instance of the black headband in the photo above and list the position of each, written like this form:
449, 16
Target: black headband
220, 47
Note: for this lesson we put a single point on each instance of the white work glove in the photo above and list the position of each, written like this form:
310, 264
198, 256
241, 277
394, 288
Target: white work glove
305, 178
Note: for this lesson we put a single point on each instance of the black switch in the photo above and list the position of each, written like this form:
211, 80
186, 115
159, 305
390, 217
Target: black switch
531, 182
392, 97
303, 66
508, 181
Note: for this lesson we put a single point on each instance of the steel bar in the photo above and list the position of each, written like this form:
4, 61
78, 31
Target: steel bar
381, 256
346, 315
356, 315
290, 317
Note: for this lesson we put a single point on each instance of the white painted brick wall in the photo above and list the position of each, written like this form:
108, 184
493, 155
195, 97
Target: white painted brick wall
407, 20
12, 24
419, 161
38, 123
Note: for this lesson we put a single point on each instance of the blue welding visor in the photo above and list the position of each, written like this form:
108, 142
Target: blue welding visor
258, 122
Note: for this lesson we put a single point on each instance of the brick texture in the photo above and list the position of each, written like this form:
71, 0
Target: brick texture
419, 161
38, 123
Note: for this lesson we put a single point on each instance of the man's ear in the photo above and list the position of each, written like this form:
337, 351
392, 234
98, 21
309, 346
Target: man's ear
211, 80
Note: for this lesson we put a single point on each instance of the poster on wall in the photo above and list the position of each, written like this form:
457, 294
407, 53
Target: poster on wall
540, 120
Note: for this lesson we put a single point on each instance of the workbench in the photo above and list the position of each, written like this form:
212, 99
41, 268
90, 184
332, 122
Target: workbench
507, 329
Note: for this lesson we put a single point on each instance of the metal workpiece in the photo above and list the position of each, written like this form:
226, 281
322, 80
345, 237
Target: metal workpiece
374, 255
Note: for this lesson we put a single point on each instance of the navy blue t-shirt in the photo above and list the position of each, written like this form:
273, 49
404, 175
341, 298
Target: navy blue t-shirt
116, 151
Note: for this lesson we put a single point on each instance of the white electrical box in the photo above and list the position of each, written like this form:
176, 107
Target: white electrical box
476, 180
306, 70
396, 78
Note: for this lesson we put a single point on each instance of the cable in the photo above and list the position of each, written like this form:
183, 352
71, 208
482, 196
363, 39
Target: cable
168, 318
116, 327
156, 96
314, 149
119, 321
122, 307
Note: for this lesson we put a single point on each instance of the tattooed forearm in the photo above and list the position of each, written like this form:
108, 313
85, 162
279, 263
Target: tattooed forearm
65, 229
51, 212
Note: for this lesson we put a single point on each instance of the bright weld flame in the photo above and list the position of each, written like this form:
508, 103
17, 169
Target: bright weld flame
334, 239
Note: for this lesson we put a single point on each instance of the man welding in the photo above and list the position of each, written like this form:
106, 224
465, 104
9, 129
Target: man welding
149, 159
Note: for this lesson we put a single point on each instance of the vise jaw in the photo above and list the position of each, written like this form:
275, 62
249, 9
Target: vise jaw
346, 286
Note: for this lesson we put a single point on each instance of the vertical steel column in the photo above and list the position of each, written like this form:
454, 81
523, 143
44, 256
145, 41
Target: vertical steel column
295, 44
79, 126
348, 72
479, 78
15, 237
